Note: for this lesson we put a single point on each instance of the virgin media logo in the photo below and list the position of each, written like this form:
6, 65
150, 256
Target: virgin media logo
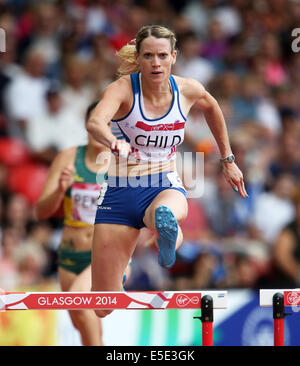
183, 300
293, 298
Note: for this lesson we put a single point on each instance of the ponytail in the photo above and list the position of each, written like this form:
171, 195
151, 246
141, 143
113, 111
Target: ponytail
128, 63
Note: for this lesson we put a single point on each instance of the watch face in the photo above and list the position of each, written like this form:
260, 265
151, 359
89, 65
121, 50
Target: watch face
229, 159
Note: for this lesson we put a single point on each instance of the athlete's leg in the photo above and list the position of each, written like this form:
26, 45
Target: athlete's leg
162, 216
85, 321
113, 245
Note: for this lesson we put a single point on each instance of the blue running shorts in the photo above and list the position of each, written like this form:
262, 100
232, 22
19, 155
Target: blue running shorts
124, 200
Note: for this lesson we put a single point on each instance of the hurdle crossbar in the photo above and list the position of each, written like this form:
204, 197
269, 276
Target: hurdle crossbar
109, 300
278, 299
206, 300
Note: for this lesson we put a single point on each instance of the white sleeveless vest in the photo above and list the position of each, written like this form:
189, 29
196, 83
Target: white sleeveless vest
151, 140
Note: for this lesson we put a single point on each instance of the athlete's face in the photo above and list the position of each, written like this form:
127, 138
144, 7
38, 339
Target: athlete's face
156, 58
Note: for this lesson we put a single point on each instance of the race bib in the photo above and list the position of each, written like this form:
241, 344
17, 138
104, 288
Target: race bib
84, 201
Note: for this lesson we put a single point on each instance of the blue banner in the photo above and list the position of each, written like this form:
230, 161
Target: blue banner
252, 325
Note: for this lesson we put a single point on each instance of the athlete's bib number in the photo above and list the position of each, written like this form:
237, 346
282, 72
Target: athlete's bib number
84, 198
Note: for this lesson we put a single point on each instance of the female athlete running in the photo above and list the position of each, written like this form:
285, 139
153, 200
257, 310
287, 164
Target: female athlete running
141, 118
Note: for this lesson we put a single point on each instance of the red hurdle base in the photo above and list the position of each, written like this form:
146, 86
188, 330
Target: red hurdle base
207, 334
279, 332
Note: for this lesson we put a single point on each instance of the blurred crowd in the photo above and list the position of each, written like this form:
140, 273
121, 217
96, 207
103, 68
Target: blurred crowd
60, 56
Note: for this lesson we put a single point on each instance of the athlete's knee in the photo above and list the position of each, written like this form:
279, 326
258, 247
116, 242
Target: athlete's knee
103, 313
79, 318
179, 240
179, 214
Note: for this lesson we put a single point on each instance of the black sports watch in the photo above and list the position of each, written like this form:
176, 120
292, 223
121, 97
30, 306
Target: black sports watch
228, 159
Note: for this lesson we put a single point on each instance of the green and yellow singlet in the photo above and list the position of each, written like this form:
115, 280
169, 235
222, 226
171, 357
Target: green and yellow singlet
80, 200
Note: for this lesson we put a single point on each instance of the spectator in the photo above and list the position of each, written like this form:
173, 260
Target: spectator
56, 129
96, 18
189, 63
40, 238
9, 275
220, 205
8, 59
195, 227
159, 11
287, 159
31, 258
273, 67
251, 105
44, 37
197, 132
286, 253
199, 14
21, 105
230, 17
76, 93
286, 97
76, 39
273, 210
202, 273
216, 45
102, 66
235, 59
17, 213
226, 87
241, 271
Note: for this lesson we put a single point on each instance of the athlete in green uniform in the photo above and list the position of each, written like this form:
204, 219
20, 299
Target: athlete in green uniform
75, 179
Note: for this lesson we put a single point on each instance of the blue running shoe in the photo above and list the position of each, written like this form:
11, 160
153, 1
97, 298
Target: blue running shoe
123, 282
167, 229
124, 279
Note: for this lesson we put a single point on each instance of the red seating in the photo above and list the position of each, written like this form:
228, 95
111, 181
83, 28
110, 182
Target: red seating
13, 151
27, 179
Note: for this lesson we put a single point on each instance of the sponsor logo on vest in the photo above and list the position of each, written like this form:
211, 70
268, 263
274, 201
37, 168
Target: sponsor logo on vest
161, 126
159, 140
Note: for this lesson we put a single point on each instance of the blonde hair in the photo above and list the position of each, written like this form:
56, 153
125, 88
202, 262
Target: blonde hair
127, 53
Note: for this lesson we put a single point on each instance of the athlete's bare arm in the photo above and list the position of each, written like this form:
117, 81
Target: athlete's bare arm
115, 99
195, 95
60, 177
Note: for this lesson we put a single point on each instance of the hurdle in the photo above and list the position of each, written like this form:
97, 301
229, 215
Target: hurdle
207, 301
278, 299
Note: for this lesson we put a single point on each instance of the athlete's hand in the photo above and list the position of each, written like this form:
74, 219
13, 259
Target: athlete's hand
66, 178
235, 178
121, 148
